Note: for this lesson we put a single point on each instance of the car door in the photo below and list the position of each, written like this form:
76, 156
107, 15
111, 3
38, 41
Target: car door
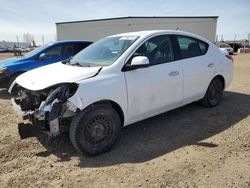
198, 70
156, 88
52, 55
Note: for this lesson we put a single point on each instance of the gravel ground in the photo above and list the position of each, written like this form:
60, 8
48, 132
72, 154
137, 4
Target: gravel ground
192, 146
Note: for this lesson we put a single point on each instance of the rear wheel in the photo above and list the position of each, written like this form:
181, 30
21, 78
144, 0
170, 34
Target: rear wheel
95, 129
214, 93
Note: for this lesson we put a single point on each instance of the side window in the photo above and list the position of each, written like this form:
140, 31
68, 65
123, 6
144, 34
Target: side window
157, 49
150, 46
203, 47
79, 46
68, 50
54, 52
189, 47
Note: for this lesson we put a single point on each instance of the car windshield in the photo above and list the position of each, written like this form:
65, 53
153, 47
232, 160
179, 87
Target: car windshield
37, 50
103, 52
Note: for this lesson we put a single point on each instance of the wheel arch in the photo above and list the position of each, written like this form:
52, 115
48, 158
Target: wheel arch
115, 105
14, 76
221, 78
17, 73
204, 100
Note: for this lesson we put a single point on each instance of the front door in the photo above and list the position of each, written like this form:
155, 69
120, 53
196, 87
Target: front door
157, 88
57, 53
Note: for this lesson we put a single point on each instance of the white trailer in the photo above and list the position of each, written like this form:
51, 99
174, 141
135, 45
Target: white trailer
96, 29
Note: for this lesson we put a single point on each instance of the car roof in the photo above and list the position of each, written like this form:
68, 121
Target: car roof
153, 32
70, 41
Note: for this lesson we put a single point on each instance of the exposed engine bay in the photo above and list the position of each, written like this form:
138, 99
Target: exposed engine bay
48, 108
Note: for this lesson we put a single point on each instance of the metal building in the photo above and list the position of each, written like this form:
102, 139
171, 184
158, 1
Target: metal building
96, 29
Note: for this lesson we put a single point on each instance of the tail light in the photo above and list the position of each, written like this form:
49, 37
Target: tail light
230, 57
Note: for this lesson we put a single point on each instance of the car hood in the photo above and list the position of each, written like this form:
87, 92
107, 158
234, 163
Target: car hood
11, 61
44, 77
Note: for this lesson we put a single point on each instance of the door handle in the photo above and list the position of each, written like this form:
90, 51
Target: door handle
210, 65
173, 73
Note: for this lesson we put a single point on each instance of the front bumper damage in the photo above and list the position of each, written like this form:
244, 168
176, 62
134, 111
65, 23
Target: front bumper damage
49, 109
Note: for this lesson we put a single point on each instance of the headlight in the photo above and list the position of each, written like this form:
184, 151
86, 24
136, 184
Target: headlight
61, 92
2, 70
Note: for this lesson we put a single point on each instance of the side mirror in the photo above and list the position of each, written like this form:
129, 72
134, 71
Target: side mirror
141, 61
42, 56
137, 63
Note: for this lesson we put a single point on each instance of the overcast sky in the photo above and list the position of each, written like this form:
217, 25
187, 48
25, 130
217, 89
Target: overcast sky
38, 17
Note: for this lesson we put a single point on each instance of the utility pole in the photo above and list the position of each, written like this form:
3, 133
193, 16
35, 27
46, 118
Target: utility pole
43, 39
234, 40
17, 41
248, 39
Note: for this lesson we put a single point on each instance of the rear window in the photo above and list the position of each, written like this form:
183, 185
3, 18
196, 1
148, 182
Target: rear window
203, 47
191, 47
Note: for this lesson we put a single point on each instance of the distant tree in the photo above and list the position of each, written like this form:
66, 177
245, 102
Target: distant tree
28, 38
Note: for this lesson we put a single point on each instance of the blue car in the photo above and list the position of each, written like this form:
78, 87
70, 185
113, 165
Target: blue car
44, 55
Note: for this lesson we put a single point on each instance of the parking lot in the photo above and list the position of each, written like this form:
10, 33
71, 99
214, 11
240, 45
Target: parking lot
191, 146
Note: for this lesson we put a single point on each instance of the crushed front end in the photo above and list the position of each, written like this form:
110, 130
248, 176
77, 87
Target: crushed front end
48, 108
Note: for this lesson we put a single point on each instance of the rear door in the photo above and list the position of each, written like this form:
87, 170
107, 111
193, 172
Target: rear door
198, 69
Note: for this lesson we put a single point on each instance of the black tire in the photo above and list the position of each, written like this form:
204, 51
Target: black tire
214, 93
95, 129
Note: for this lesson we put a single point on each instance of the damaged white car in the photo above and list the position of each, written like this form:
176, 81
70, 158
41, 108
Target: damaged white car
120, 80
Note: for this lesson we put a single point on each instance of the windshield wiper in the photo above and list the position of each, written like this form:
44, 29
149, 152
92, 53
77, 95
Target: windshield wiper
65, 61
75, 64
82, 64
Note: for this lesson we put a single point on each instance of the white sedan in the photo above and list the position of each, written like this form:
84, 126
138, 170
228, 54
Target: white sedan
120, 80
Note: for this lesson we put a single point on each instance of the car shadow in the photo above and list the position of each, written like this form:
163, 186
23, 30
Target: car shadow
159, 135
4, 93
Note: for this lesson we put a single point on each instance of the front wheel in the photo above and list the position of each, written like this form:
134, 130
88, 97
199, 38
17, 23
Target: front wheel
214, 93
95, 129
